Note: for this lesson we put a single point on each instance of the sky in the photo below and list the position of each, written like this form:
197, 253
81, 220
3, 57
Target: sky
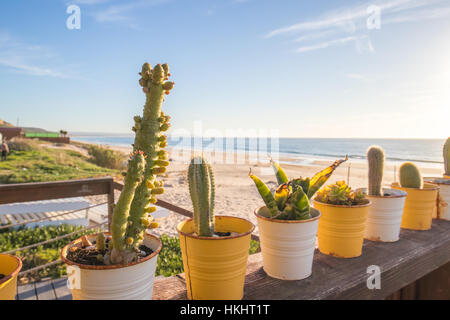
355, 69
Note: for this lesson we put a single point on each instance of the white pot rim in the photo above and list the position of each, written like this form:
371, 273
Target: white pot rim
108, 267
437, 180
287, 221
191, 235
394, 193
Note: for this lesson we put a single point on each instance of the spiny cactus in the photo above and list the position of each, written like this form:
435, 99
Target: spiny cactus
100, 242
148, 160
375, 158
447, 157
410, 176
291, 198
202, 191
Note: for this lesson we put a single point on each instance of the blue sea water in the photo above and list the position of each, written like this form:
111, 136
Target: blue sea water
425, 151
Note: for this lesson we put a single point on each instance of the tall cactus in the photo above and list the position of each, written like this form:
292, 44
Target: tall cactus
447, 157
410, 176
202, 191
148, 160
375, 158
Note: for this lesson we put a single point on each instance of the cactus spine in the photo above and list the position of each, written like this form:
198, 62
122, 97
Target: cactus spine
375, 158
446, 157
410, 176
147, 161
202, 192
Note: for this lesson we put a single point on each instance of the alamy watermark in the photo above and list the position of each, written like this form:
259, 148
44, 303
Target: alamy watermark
374, 280
74, 20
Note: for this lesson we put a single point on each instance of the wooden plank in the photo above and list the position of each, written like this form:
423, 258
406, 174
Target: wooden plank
12, 193
415, 255
62, 292
26, 292
435, 285
44, 290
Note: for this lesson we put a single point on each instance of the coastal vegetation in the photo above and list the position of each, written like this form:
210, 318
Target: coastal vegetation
33, 161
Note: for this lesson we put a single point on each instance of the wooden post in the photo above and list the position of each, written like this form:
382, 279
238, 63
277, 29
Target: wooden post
110, 203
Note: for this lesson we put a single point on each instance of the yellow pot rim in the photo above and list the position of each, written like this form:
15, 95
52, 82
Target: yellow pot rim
344, 206
190, 235
15, 272
108, 267
285, 221
430, 187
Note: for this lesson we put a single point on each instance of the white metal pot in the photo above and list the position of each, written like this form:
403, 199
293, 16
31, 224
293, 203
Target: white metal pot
114, 282
385, 215
287, 246
441, 211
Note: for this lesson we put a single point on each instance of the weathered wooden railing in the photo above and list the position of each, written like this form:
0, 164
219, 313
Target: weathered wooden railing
415, 267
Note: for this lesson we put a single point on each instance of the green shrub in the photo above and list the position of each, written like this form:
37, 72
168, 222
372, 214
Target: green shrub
17, 238
106, 158
19, 144
49, 165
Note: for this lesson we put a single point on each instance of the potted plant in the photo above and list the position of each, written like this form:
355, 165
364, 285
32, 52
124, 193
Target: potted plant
288, 224
342, 226
214, 249
421, 199
385, 213
442, 211
9, 269
121, 265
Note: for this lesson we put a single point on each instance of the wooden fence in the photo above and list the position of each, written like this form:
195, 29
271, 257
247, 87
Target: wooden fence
415, 267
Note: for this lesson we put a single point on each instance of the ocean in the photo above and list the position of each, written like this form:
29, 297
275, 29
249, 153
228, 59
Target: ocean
426, 152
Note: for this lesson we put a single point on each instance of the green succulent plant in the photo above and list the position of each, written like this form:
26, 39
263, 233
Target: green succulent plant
291, 200
341, 194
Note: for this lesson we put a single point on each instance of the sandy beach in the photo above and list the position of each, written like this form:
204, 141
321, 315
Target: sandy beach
235, 192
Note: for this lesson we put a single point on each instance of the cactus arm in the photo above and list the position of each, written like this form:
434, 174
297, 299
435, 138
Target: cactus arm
121, 211
447, 157
375, 159
266, 195
279, 172
321, 177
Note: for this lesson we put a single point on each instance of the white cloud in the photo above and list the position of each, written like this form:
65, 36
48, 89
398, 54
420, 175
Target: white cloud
345, 16
120, 12
327, 44
339, 26
29, 59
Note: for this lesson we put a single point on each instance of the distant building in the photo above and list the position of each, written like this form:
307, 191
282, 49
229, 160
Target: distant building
9, 133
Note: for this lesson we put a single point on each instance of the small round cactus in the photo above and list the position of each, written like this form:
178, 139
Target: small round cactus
410, 176
375, 158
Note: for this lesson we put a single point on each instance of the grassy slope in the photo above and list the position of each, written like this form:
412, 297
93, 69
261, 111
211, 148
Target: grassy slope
48, 165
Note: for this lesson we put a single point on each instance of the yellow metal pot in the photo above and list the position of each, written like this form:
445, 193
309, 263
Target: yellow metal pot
10, 267
215, 266
341, 229
419, 206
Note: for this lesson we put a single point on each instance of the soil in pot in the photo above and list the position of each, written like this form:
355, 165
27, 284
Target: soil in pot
89, 255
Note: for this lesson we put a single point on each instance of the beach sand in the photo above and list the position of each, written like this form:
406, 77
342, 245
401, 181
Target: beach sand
236, 193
